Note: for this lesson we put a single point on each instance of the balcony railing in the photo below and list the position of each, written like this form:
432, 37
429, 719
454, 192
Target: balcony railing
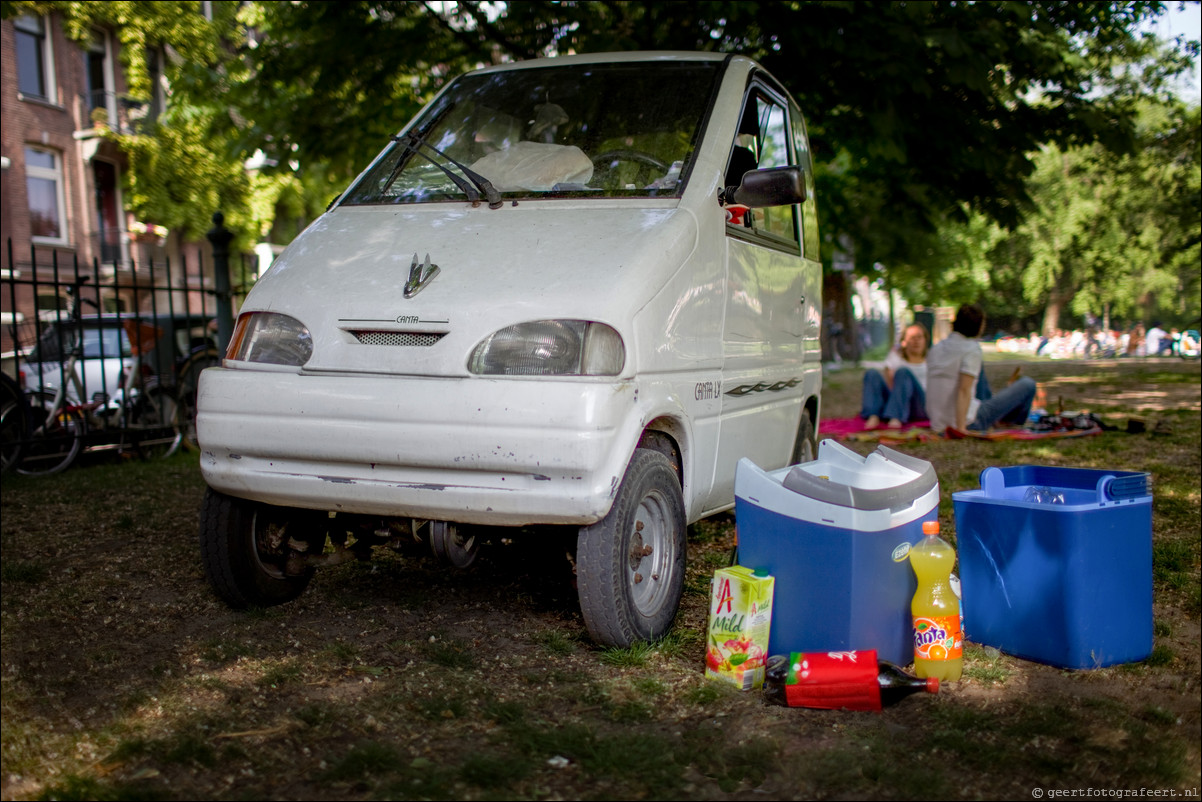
131, 116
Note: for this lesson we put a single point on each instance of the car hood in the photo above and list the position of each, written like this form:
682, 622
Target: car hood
345, 277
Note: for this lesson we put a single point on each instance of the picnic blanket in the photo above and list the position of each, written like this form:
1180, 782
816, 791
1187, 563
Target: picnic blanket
854, 429
1020, 434
918, 431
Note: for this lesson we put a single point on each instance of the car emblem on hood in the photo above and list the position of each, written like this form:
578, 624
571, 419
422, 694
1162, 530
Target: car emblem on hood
420, 274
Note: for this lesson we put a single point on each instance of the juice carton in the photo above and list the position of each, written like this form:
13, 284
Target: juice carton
740, 619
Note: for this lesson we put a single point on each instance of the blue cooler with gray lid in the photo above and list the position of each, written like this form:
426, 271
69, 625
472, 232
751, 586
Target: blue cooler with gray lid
835, 533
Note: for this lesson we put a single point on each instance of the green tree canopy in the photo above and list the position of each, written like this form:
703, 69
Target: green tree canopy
922, 114
1110, 238
917, 110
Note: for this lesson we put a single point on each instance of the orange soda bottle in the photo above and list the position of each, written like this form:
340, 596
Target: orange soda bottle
938, 641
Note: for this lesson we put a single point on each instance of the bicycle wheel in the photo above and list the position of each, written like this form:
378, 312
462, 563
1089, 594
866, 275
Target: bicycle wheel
155, 422
55, 441
14, 423
189, 383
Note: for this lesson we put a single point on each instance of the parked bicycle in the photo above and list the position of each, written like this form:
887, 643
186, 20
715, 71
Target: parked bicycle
188, 373
143, 414
14, 422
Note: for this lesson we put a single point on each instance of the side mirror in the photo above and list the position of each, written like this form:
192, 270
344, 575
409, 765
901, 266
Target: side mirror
772, 186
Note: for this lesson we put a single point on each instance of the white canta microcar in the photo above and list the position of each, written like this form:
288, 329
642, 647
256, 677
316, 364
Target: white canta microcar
573, 291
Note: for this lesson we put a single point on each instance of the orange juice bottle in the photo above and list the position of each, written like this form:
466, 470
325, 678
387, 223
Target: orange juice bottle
938, 641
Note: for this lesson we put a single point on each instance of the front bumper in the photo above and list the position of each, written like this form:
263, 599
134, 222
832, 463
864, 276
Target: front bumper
470, 450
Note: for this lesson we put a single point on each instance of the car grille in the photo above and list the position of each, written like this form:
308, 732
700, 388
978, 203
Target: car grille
403, 339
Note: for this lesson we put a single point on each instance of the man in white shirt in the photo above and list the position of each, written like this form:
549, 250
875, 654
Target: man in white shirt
958, 394
1157, 338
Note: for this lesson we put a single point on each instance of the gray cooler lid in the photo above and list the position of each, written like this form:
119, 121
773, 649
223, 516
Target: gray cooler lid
802, 481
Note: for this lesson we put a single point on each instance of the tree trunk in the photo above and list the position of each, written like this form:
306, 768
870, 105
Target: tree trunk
1051, 316
839, 335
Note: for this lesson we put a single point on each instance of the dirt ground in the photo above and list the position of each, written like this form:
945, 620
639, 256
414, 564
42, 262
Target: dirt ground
123, 677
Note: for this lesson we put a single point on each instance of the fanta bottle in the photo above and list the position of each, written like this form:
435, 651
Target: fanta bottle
938, 640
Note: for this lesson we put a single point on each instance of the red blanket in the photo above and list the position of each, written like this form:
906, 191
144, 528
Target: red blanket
854, 429
1020, 434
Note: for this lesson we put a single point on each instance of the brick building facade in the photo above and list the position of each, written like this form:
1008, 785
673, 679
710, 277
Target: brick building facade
61, 196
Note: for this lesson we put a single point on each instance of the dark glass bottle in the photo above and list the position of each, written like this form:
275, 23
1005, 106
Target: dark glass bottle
893, 685
897, 684
775, 675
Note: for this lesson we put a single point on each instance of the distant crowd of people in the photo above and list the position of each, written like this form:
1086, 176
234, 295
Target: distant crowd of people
1091, 343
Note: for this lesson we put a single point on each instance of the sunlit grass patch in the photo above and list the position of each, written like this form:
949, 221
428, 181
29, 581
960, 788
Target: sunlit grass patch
985, 664
635, 656
556, 641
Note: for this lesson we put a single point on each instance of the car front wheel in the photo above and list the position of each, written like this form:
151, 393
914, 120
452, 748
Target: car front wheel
254, 555
630, 565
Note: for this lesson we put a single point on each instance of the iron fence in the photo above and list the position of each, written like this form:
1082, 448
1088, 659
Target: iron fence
100, 335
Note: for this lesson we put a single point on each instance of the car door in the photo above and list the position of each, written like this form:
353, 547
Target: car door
766, 321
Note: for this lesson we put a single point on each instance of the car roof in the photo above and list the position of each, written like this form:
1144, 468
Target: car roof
622, 57
116, 318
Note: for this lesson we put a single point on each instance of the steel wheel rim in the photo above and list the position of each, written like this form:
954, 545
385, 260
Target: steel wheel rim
649, 573
267, 543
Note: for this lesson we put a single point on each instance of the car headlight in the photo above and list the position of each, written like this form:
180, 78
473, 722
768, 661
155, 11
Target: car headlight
270, 338
550, 348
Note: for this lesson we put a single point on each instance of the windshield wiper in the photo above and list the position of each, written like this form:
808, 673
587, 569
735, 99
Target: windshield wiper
414, 143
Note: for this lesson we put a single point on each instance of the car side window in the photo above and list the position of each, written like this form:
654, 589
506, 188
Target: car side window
106, 342
763, 141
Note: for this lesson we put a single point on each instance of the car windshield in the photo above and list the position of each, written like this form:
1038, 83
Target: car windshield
594, 130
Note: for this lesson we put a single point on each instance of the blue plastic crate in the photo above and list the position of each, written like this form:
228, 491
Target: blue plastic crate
1068, 584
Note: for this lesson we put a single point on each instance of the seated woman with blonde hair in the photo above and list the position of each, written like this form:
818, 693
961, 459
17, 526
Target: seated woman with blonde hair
898, 392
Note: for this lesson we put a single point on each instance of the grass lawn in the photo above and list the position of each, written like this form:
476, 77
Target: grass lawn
400, 678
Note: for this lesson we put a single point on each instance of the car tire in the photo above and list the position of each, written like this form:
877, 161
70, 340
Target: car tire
254, 554
805, 447
630, 565
452, 544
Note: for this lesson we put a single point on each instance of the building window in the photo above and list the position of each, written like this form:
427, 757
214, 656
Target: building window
44, 184
98, 78
35, 64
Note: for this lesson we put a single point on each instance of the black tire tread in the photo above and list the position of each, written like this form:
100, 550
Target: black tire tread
226, 544
600, 578
805, 435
